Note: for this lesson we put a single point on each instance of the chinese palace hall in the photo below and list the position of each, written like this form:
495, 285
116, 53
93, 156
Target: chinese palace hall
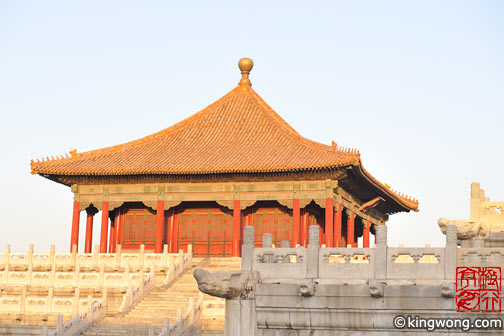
234, 163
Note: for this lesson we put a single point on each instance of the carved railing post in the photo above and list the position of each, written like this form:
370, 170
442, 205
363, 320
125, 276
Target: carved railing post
51, 255
313, 251
247, 248
76, 276
44, 330
267, 241
141, 255
450, 262
50, 297
74, 255
59, 325
118, 255
24, 293
381, 252
30, 255
165, 328
101, 276
96, 257
164, 259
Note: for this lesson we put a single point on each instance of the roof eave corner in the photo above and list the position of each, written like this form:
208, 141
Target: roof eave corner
361, 171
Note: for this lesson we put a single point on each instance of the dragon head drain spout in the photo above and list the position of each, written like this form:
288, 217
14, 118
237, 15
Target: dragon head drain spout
225, 284
466, 228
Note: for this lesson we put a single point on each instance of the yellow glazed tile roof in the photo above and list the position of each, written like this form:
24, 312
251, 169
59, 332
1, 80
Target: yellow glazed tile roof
239, 133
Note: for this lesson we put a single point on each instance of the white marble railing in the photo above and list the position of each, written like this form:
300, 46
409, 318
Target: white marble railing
341, 263
185, 321
288, 262
134, 295
115, 270
25, 304
80, 322
380, 262
423, 263
482, 257
137, 293
76, 278
136, 260
180, 264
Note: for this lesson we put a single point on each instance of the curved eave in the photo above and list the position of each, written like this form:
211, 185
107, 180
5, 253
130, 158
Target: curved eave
61, 178
39, 169
403, 203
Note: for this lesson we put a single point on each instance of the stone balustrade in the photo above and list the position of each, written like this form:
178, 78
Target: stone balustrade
324, 291
380, 262
50, 304
187, 323
118, 260
112, 270
136, 294
341, 263
26, 277
74, 279
96, 309
280, 262
481, 257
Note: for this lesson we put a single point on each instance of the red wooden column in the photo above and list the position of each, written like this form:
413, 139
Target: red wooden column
88, 244
365, 238
329, 224
158, 238
169, 229
304, 229
74, 240
112, 236
355, 242
350, 227
236, 229
337, 225
296, 217
175, 232
120, 228
117, 228
104, 227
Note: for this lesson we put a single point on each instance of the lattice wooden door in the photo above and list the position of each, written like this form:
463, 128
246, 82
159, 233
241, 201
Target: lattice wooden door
208, 230
139, 228
274, 221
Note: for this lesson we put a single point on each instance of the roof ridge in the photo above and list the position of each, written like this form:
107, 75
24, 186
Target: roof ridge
173, 128
284, 125
270, 114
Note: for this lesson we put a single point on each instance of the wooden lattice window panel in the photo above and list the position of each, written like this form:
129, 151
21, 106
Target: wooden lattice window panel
201, 226
185, 226
217, 227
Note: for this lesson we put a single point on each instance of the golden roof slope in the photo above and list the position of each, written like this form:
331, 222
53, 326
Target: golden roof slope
239, 133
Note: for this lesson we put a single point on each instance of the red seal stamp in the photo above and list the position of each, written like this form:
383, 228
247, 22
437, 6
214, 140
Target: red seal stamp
478, 290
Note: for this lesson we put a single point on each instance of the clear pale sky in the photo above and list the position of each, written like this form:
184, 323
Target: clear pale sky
416, 86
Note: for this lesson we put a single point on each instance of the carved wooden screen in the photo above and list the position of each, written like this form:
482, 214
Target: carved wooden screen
139, 228
274, 221
208, 230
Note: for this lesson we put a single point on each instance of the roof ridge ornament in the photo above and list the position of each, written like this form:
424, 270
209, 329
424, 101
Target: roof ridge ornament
245, 65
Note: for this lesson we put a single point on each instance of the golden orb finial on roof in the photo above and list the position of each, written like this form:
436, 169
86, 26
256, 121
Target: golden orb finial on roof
245, 65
